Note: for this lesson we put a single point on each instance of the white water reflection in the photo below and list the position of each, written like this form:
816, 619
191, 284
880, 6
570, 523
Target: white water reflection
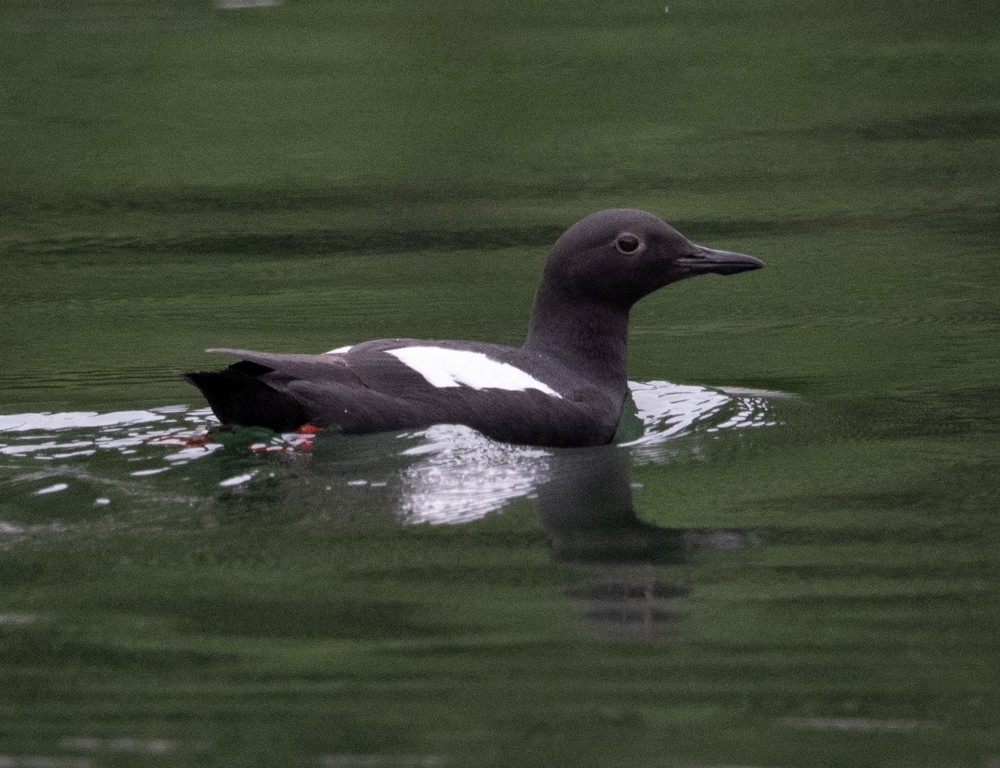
70, 445
52, 489
669, 411
443, 475
463, 476
35, 422
120, 744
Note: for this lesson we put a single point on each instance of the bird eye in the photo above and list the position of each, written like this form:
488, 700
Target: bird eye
627, 243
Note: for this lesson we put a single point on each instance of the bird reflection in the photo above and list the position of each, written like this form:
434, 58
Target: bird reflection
615, 564
613, 558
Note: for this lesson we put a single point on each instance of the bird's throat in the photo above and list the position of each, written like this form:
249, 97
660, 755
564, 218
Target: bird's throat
591, 338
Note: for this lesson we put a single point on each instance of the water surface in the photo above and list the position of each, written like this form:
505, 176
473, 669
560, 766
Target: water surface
789, 558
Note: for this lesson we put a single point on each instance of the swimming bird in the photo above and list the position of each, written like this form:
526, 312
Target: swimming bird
565, 386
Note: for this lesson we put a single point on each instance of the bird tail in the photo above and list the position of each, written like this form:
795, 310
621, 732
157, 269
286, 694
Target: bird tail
239, 397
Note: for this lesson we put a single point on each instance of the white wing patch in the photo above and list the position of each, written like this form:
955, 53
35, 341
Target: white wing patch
339, 350
455, 368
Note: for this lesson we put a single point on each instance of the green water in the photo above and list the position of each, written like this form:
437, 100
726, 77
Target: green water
805, 574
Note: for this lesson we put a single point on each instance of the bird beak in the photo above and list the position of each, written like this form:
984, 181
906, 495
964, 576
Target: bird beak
703, 260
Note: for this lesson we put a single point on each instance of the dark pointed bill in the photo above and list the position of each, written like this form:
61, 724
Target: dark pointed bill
720, 262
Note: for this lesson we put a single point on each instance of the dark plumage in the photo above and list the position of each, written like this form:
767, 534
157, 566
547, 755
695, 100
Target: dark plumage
565, 386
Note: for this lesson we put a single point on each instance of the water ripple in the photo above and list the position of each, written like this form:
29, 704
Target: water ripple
445, 474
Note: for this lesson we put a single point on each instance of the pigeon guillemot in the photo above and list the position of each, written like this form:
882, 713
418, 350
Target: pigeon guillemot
565, 386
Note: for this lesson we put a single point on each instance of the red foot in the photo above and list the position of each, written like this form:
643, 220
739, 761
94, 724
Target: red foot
199, 440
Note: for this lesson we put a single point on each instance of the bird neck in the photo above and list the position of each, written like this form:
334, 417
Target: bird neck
587, 336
